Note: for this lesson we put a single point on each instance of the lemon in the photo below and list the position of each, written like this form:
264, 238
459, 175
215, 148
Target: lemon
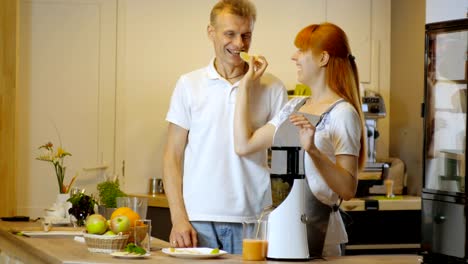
244, 56
214, 251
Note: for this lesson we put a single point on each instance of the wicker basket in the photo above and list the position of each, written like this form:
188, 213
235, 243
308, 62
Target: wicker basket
105, 244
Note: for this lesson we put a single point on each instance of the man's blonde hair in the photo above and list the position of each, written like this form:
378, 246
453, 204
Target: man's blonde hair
242, 8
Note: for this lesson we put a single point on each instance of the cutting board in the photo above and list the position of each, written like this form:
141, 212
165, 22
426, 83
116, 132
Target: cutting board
53, 233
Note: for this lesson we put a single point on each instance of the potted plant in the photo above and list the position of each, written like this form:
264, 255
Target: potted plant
108, 191
82, 206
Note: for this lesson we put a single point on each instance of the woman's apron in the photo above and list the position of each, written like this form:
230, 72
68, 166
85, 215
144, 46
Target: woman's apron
317, 213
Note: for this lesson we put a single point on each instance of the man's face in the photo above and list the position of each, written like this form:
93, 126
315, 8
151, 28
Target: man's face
230, 35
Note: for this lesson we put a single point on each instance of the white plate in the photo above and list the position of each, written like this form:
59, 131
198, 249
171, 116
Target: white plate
124, 254
195, 253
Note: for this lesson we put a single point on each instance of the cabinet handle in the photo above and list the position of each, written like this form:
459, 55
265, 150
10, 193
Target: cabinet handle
97, 167
439, 219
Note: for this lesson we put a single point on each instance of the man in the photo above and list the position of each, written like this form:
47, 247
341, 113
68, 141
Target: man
210, 189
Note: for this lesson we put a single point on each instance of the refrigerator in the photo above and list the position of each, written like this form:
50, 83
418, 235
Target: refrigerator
444, 196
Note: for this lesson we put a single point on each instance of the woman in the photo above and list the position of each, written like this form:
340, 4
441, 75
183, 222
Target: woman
335, 149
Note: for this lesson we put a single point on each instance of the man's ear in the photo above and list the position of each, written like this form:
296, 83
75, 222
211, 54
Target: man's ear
324, 59
210, 30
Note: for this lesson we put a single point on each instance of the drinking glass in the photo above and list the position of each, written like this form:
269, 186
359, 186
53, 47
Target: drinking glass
389, 188
142, 234
137, 204
254, 240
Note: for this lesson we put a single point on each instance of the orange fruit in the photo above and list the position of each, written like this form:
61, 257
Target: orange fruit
132, 215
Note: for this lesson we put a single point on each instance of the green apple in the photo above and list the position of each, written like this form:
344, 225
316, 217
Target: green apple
96, 224
109, 233
120, 223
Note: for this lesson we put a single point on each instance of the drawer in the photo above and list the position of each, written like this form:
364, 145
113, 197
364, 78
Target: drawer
384, 228
443, 228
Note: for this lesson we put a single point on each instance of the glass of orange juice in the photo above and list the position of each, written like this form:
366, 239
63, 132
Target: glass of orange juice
254, 243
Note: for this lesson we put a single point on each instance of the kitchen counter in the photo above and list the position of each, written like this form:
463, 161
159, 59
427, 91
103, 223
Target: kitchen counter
53, 250
405, 202
398, 203
379, 224
157, 200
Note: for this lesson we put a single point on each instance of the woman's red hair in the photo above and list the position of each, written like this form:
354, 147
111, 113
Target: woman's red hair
341, 71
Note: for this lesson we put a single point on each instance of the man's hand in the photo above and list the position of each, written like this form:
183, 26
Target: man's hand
183, 235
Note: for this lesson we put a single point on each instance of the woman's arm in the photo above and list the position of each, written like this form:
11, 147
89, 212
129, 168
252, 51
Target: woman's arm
246, 139
340, 177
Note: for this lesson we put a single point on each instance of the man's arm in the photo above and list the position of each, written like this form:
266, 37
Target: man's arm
182, 233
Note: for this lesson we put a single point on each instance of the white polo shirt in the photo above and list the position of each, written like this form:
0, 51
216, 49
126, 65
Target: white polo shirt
219, 185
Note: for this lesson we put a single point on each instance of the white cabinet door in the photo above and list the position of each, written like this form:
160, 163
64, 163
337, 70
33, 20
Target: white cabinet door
66, 83
354, 17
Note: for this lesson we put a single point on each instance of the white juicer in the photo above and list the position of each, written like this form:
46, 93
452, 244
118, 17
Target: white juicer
287, 224
287, 232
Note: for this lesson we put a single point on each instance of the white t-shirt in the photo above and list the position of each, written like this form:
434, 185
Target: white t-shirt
219, 185
338, 133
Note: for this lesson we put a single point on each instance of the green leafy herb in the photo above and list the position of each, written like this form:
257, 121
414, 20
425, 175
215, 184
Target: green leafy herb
214, 251
108, 192
132, 248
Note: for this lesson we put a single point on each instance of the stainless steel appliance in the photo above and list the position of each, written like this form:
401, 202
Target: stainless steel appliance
373, 107
444, 197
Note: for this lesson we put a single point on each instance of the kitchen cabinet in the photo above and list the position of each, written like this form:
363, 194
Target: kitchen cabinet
161, 221
66, 94
8, 66
381, 225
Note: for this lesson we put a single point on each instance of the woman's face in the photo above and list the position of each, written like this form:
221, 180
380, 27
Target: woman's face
308, 66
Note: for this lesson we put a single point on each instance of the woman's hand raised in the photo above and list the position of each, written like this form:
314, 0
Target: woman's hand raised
257, 66
306, 131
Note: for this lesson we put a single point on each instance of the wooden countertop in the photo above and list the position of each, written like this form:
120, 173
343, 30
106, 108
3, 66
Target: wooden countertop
157, 200
404, 202
399, 202
53, 250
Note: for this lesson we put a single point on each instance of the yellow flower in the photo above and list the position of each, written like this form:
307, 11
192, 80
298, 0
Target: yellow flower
61, 153
57, 160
